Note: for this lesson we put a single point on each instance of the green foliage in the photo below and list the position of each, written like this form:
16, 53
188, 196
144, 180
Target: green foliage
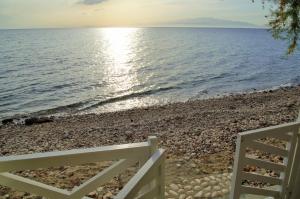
285, 22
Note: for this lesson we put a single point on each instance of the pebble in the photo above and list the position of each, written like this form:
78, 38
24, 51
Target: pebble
173, 193
212, 186
197, 188
199, 195
182, 196
204, 184
188, 187
174, 187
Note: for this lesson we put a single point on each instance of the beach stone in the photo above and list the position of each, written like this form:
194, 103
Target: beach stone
219, 179
193, 165
198, 181
19, 194
92, 194
199, 195
36, 120
207, 195
174, 187
108, 195
225, 191
219, 193
7, 121
190, 192
188, 187
204, 184
6, 196
217, 188
214, 194
197, 188
213, 182
207, 189
173, 193
182, 196
100, 189
181, 191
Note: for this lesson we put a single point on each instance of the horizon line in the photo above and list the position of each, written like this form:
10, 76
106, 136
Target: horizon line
98, 27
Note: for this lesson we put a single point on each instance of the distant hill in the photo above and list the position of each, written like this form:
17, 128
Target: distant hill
211, 22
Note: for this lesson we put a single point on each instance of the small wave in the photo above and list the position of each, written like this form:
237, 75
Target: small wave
248, 79
57, 87
200, 79
83, 105
129, 96
10, 71
70, 108
220, 76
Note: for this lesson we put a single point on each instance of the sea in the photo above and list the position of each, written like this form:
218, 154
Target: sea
94, 70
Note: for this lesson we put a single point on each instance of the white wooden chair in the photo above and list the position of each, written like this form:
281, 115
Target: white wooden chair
287, 183
147, 183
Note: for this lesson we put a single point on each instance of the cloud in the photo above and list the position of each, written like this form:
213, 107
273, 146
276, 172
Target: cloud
91, 2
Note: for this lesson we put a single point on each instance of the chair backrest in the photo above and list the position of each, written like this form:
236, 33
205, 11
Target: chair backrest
252, 161
147, 154
295, 177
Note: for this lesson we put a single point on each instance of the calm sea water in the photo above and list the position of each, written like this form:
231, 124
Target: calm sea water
67, 71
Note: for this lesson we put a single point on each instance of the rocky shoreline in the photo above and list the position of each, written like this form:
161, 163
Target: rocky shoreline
199, 135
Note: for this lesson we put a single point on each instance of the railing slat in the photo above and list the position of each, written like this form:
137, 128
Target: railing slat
237, 169
272, 131
267, 148
259, 191
288, 161
284, 136
27, 185
264, 164
73, 157
143, 176
101, 178
261, 178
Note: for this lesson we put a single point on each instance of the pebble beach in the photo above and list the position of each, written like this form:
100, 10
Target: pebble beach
198, 135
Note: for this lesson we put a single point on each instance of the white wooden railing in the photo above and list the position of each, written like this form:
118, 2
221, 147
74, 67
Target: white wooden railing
147, 183
287, 183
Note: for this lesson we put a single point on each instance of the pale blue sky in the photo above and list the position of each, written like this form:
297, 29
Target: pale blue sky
81, 13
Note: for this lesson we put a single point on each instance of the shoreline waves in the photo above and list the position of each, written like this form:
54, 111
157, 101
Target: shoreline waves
200, 118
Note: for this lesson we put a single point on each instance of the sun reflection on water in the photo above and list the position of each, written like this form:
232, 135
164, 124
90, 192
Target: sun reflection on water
119, 48
116, 53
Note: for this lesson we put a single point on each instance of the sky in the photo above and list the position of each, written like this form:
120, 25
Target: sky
110, 13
